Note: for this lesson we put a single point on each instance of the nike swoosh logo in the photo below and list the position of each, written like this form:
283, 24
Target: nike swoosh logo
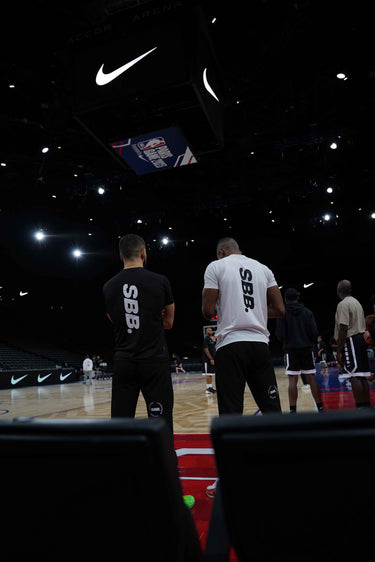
15, 381
307, 285
102, 79
63, 377
41, 379
23, 294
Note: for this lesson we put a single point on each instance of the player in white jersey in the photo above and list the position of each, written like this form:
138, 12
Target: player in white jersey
244, 294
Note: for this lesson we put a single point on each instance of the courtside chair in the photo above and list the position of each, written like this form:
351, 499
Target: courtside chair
57, 505
294, 487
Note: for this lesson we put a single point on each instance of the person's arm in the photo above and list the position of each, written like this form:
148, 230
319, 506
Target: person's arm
343, 332
209, 300
167, 315
275, 304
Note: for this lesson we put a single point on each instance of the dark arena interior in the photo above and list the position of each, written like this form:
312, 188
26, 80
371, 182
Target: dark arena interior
183, 122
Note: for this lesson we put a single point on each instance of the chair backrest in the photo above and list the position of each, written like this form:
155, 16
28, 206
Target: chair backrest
93, 490
298, 487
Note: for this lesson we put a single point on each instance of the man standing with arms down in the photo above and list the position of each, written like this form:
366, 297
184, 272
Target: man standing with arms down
298, 332
140, 305
244, 294
350, 326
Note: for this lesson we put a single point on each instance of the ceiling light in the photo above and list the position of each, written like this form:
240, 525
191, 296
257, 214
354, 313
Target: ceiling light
77, 253
45, 150
373, 215
327, 217
165, 241
101, 190
341, 76
39, 235
333, 145
3, 164
329, 190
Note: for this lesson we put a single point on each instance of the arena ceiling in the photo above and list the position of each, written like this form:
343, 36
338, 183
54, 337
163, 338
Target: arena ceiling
286, 166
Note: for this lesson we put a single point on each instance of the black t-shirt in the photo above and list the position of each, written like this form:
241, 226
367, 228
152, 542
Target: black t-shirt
210, 344
134, 299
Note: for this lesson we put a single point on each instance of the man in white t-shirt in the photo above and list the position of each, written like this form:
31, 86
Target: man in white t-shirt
87, 368
244, 294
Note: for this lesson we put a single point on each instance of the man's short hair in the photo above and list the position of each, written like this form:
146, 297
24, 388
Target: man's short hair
344, 288
130, 245
227, 244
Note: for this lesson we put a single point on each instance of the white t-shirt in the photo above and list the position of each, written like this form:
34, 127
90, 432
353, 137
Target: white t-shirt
87, 364
242, 302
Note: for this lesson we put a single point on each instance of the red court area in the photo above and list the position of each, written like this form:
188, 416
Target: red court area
197, 469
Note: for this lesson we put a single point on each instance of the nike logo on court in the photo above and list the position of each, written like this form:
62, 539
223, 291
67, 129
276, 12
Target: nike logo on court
63, 377
102, 79
41, 379
15, 381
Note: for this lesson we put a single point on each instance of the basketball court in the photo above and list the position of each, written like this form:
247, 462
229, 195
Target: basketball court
193, 412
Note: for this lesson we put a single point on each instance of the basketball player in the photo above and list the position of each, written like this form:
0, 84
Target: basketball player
350, 327
298, 332
208, 359
244, 294
140, 305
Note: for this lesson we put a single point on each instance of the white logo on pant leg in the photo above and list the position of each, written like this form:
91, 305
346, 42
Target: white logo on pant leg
155, 409
272, 391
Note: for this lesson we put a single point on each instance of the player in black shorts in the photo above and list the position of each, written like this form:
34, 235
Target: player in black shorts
350, 327
140, 305
298, 332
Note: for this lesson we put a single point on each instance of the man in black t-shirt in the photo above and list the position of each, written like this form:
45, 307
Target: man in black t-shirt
140, 305
208, 359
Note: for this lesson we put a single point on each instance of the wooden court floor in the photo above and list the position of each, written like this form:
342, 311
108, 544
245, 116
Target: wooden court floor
193, 409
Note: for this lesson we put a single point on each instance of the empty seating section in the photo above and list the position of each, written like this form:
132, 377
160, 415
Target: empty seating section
21, 356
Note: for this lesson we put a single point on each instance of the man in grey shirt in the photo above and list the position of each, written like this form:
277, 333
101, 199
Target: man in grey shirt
350, 326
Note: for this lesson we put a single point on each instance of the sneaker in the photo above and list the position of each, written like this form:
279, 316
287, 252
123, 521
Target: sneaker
211, 490
210, 390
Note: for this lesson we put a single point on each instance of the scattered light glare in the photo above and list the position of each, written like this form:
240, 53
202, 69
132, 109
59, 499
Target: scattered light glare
77, 253
165, 241
40, 235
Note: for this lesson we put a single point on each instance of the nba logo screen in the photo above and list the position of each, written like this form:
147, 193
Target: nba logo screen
155, 151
